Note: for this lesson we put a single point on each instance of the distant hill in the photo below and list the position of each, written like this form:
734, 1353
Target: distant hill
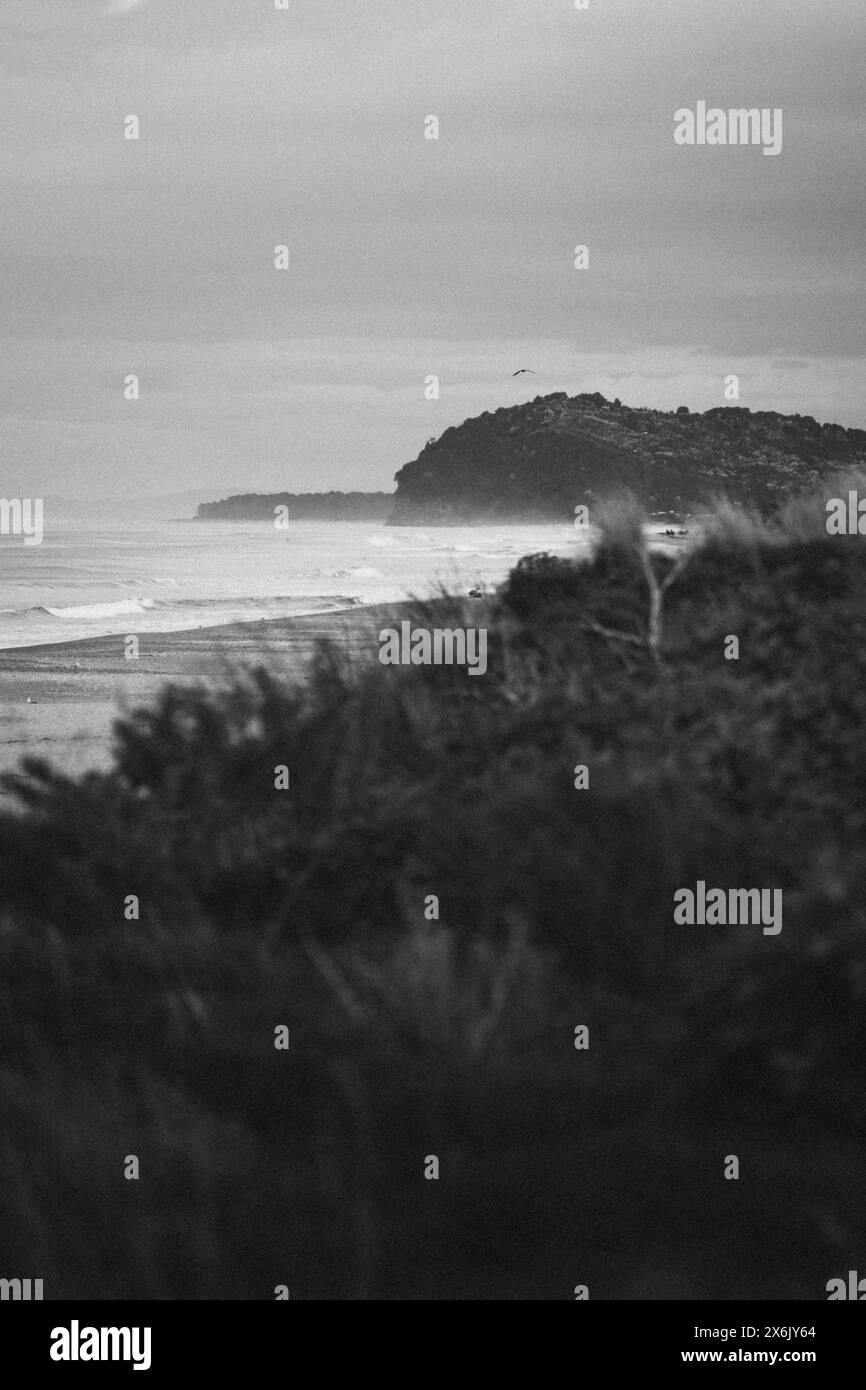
303, 506
539, 460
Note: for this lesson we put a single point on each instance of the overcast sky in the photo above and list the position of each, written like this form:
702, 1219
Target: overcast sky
408, 256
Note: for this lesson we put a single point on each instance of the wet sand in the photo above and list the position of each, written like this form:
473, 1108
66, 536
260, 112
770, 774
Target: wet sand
59, 701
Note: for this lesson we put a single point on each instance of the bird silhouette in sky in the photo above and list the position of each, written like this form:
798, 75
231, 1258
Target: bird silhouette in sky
521, 370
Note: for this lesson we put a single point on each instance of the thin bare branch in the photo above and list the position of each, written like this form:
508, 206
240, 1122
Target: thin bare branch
336, 981
591, 626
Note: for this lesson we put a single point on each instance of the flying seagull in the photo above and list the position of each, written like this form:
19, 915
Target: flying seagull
522, 370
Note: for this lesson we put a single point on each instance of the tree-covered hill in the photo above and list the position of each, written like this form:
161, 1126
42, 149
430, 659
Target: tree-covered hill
539, 460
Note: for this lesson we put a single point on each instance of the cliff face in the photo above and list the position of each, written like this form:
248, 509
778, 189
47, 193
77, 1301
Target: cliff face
540, 460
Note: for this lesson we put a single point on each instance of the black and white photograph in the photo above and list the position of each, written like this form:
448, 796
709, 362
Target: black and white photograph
432, 663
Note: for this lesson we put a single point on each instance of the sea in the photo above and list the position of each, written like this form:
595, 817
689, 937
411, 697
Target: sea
93, 578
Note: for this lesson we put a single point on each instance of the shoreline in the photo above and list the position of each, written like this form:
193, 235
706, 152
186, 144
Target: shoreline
347, 605
311, 606
59, 700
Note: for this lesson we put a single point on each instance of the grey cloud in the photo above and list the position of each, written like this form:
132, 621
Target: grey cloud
259, 127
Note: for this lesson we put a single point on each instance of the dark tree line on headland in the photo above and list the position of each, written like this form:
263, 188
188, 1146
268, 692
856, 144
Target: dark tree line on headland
302, 506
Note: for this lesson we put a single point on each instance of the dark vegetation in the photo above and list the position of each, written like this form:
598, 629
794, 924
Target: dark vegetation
455, 1038
539, 460
303, 506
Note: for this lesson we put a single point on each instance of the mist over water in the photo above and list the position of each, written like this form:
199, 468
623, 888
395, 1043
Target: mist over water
89, 579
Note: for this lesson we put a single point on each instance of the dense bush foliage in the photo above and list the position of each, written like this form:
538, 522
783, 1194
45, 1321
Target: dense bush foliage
411, 1037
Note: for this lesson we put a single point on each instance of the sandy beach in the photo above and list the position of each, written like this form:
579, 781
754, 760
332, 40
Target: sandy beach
58, 701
